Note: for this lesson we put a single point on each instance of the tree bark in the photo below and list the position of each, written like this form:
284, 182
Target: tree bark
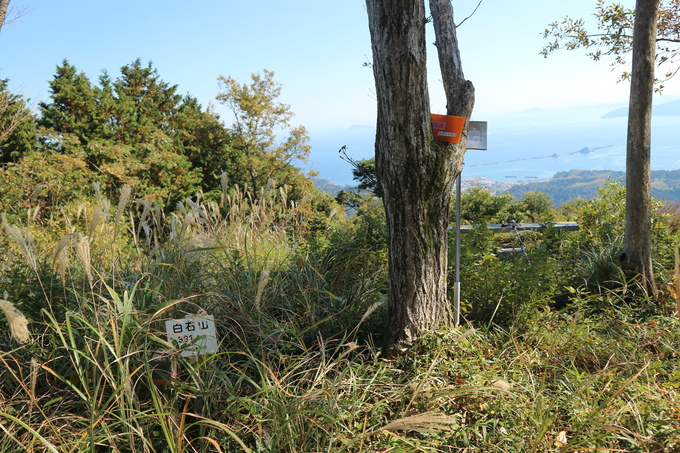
415, 173
637, 255
4, 5
460, 94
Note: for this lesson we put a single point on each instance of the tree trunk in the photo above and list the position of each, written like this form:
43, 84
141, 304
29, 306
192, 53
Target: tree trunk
415, 173
637, 255
4, 5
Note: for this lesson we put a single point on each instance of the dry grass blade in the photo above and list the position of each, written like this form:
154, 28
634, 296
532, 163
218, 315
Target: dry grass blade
97, 218
36, 191
422, 423
26, 244
261, 284
68, 240
60, 260
123, 200
224, 183
83, 252
368, 313
18, 324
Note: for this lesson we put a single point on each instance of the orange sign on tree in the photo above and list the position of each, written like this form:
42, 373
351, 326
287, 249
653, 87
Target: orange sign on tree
447, 128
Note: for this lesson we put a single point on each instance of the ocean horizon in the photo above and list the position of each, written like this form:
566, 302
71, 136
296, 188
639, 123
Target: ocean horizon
530, 145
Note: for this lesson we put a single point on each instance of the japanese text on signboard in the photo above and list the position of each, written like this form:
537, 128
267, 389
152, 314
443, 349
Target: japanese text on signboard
193, 334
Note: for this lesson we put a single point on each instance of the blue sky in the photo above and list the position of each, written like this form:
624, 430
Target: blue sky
315, 47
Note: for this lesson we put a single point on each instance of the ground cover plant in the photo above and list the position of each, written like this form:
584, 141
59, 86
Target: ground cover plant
559, 351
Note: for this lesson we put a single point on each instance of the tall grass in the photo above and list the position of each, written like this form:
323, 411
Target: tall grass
298, 369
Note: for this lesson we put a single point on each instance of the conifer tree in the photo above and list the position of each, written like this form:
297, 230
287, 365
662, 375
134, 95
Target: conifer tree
135, 129
17, 125
72, 110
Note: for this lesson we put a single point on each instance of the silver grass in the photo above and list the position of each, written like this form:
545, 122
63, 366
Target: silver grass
26, 244
97, 218
370, 311
264, 279
123, 200
68, 240
18, 324
198, 246
199, 211
60, 260
98, 192
189, 219
36, 192
284, 195
173, 228
33, 214
61, 265
224, 182
147, 233
83, 253
82, 209
35, 366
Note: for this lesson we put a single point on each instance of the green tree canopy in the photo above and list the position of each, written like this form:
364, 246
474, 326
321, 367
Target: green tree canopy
136, 130
613, 36
258, 116
17, 125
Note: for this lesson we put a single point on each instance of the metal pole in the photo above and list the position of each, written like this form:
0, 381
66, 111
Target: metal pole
456, 287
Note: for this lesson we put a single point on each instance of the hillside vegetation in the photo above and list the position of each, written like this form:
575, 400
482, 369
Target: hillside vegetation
125, 206
565, 186
559, 351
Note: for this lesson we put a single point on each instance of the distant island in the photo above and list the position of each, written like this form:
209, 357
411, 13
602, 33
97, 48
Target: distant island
666, 109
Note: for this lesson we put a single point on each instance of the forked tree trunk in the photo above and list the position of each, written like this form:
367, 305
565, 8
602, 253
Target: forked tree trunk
415, 173
637, 255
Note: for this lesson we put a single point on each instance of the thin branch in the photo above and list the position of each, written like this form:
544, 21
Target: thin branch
15, 13
601, 35
472, 14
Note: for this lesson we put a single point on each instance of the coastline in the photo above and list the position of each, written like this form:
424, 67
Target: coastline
496, 187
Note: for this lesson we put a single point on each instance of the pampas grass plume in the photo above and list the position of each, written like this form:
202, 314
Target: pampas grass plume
18, 324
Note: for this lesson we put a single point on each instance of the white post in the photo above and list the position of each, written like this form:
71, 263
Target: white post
456, 287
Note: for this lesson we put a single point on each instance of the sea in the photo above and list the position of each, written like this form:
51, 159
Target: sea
530, 145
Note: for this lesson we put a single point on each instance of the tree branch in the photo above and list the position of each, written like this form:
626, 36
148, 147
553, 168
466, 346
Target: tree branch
460, 93
472, 14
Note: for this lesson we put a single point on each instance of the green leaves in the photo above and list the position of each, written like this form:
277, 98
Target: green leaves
17, 125
132, 130
258, 116
613, 36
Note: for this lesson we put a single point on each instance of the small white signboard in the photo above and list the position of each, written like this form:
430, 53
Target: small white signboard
194, 335
476, 138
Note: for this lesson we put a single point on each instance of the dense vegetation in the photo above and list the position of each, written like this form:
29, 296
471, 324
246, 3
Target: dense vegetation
559, 350
136, 130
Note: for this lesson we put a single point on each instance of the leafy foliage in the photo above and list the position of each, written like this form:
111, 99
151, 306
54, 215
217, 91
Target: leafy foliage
299, 323
129, 131
478, 206
17, 125
566, 186
257, 117
560, 351
614, 36
135, 130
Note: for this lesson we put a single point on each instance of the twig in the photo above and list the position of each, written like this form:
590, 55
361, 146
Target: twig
472, 14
